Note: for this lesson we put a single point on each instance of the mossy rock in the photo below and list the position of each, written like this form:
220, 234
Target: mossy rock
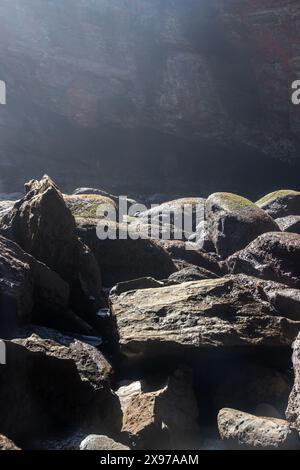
86, 205
233, 221
281, 203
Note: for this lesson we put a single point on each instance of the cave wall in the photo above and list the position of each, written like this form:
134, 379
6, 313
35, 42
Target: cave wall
150, 95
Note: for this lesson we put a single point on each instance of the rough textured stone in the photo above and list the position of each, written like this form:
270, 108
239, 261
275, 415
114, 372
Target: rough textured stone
192, 273
290, 223
7, 444
96, 442
166, 418
87, 205
233, 222
44, 227
30, 291
45, 384
241, 429
135, 284
122, 260
190, 316
281, 203
293, 409
272, 256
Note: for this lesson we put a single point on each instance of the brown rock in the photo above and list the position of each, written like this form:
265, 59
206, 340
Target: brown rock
7, 444
243, 430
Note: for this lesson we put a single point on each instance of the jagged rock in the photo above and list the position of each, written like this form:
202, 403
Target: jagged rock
45, 384
187, 317
281, 203
44, 227
5, 207
126, 259
87, 205
96, 442
244, 430
191, 273
233, 222
245, 386
293, 409
135, 284
185, 254
7, 444
165, 418
291, 223
30, 291
272, 256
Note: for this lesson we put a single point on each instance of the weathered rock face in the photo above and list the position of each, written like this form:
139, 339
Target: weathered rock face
168, 80
30, 291
293, 409
244, 430
291, 223
7, 444
95, 442
123, 260
273, 256
165, 418
55, 385
190, 316
44, 227
233, 222
87, 205
281, 203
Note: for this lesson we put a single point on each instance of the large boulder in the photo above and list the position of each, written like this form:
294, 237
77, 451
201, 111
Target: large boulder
281, 203
233, 222
176, 214
125, 259
45, 228
184, 254
290, 223
32, 292
293, 409
272, 256
243, 430
165, 418
203, 314
48, 385
87, 205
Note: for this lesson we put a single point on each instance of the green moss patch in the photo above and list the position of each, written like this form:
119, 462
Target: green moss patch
277, 195
86, 205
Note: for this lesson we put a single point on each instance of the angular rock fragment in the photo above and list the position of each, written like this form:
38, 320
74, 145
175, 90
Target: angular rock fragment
47, 385
7, 444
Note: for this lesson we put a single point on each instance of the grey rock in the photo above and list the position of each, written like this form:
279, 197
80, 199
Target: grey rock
272, 256
233, 222
97, 442
190, 316
293, 409
290, 223
243, 430
281, 203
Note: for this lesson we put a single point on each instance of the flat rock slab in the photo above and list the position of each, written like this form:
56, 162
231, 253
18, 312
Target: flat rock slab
189, 316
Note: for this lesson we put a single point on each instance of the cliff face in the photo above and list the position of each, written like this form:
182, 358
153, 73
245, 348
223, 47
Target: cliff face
150, 95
